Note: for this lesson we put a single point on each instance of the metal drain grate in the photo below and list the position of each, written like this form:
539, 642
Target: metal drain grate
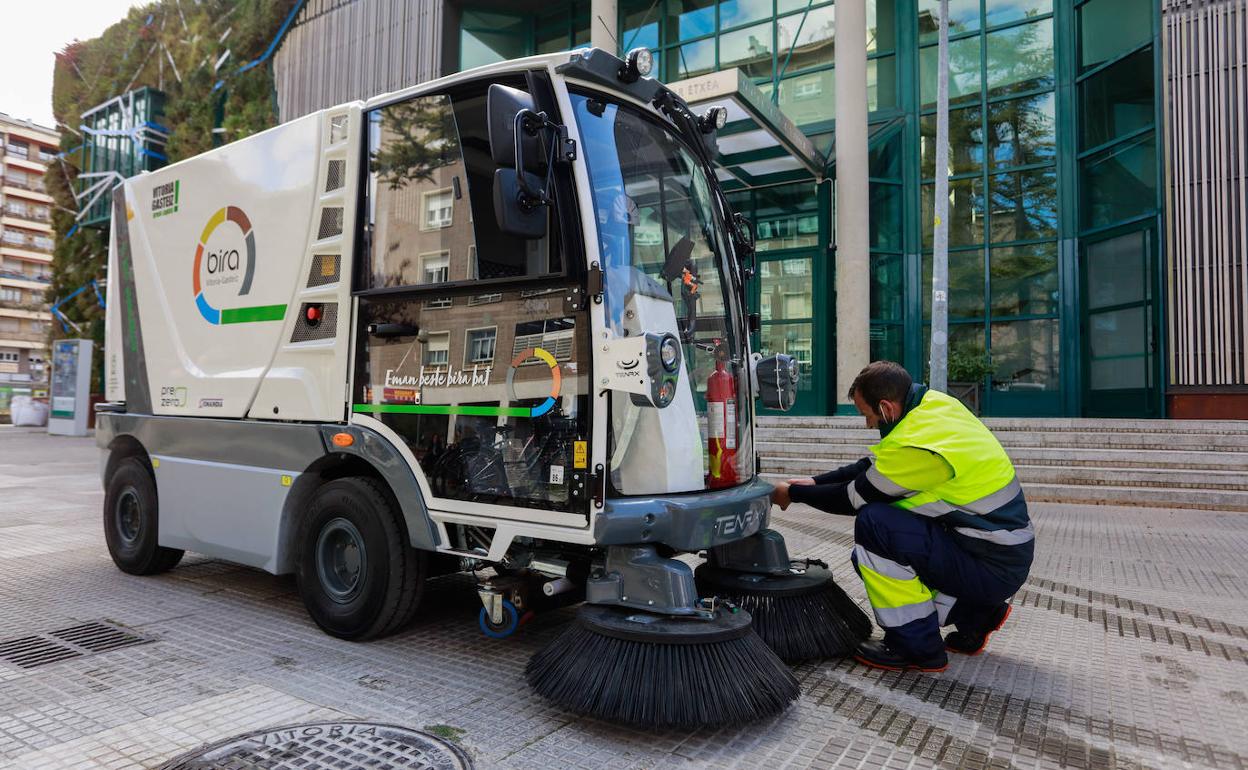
32, 651
98, 637
345, 745
66, 643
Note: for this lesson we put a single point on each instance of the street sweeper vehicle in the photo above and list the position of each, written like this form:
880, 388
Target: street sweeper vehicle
494, 320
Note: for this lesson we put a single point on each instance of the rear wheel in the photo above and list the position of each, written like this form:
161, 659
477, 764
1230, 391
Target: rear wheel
131, 521
358, 576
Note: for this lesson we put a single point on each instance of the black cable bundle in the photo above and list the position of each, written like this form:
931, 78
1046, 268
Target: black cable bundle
801, 616
646, 670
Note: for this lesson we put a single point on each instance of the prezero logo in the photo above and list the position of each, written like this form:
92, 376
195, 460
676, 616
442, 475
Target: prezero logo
226, 260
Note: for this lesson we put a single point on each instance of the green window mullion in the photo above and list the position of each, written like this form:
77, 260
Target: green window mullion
999, 170
1100, 148
986, 191
1019, 95
1111, 62
1019, 22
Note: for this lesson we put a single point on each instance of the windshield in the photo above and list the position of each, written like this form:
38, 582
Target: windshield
666, 267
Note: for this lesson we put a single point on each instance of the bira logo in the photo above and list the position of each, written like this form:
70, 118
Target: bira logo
225, 267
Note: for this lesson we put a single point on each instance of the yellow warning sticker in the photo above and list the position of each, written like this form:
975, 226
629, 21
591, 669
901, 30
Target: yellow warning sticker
155, 462
286, 480
580, 454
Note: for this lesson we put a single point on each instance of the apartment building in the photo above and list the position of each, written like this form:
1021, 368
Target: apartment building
27, 151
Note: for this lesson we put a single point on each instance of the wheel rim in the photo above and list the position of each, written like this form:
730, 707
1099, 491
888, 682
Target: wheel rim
340, 560
128, 517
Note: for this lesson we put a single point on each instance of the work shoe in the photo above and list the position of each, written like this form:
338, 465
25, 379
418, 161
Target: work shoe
969, 643
876, 654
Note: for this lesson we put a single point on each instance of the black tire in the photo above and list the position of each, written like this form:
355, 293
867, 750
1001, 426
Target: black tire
132, 521
358, 576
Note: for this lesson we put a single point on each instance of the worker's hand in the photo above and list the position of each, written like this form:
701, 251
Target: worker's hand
780, 495
807, 482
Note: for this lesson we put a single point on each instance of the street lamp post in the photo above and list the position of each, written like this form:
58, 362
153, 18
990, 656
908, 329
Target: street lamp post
939, 360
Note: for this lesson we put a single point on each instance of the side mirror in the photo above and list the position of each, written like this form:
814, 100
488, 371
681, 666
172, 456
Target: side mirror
502, 104
519, 208
743, 238
777, 378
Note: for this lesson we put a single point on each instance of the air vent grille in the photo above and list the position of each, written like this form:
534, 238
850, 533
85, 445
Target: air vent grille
335, 175
331, 223
338, 129
326, 268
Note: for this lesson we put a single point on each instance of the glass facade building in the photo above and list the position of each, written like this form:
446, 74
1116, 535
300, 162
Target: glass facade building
1055, 204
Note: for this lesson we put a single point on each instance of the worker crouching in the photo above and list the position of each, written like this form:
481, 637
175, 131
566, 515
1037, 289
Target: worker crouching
941, 536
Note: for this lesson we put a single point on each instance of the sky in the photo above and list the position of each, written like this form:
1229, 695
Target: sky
36, 31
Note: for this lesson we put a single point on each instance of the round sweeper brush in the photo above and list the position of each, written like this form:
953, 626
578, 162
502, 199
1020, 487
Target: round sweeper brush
646, 670
802, 615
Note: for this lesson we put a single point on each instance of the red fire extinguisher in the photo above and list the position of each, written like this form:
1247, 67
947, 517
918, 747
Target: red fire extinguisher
721, 418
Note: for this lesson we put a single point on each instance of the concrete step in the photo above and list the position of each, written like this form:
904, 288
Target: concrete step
839, 454
1223, 442
1139, 497
1042, 424
1169, 478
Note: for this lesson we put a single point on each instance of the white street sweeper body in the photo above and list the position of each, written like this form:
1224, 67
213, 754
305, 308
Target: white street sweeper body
495, 319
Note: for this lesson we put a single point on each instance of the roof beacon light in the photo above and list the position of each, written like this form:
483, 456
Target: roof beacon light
638, 64
714, 119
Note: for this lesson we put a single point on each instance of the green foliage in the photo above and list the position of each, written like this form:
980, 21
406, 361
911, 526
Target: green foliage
447, 732
969, 363
136, 52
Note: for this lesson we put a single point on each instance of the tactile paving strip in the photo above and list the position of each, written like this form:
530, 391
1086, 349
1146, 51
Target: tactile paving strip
1090, 671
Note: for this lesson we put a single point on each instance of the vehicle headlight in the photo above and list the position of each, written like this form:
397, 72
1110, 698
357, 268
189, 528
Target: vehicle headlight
639, 63
669, 353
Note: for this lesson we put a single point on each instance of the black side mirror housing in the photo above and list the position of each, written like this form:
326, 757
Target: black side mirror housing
502, 104
517, 212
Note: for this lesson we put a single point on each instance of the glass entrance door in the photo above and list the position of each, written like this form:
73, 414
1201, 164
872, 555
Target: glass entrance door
1121, 366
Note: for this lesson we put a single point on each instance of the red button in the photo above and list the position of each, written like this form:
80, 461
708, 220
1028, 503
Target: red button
313, 313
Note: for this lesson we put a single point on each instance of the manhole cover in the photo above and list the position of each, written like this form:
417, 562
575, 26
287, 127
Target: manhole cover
337, 745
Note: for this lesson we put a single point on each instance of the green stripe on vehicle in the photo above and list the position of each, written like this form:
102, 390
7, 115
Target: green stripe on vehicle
478, 411
241, 315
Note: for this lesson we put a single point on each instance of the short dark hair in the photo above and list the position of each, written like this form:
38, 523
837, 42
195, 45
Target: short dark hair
882, 381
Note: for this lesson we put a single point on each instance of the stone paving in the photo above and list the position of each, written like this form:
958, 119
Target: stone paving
1128, 648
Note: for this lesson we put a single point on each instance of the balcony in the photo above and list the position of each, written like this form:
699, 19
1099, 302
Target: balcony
17, 240
37, 277
29, 214
8, 180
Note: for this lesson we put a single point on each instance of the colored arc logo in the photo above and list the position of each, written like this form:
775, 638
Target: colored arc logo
233, 315
556, 379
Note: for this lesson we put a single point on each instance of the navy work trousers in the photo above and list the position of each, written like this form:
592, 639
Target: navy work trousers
967, 581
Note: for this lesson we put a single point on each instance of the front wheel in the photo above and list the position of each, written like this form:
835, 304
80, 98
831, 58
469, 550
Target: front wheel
358, 576
131, 521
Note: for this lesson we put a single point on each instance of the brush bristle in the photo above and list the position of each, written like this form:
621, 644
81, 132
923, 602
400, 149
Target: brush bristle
649, 684
823, 624
802, 615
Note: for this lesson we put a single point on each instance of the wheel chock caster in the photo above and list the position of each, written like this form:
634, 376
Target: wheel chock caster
504, 627
499, 617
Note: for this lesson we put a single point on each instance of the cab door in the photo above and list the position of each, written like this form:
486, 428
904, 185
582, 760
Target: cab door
468, 347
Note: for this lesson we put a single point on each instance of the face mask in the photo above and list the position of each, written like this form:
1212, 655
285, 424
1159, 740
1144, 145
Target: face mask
885, 423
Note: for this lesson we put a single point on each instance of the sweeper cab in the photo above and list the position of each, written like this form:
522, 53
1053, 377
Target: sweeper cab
494, 320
